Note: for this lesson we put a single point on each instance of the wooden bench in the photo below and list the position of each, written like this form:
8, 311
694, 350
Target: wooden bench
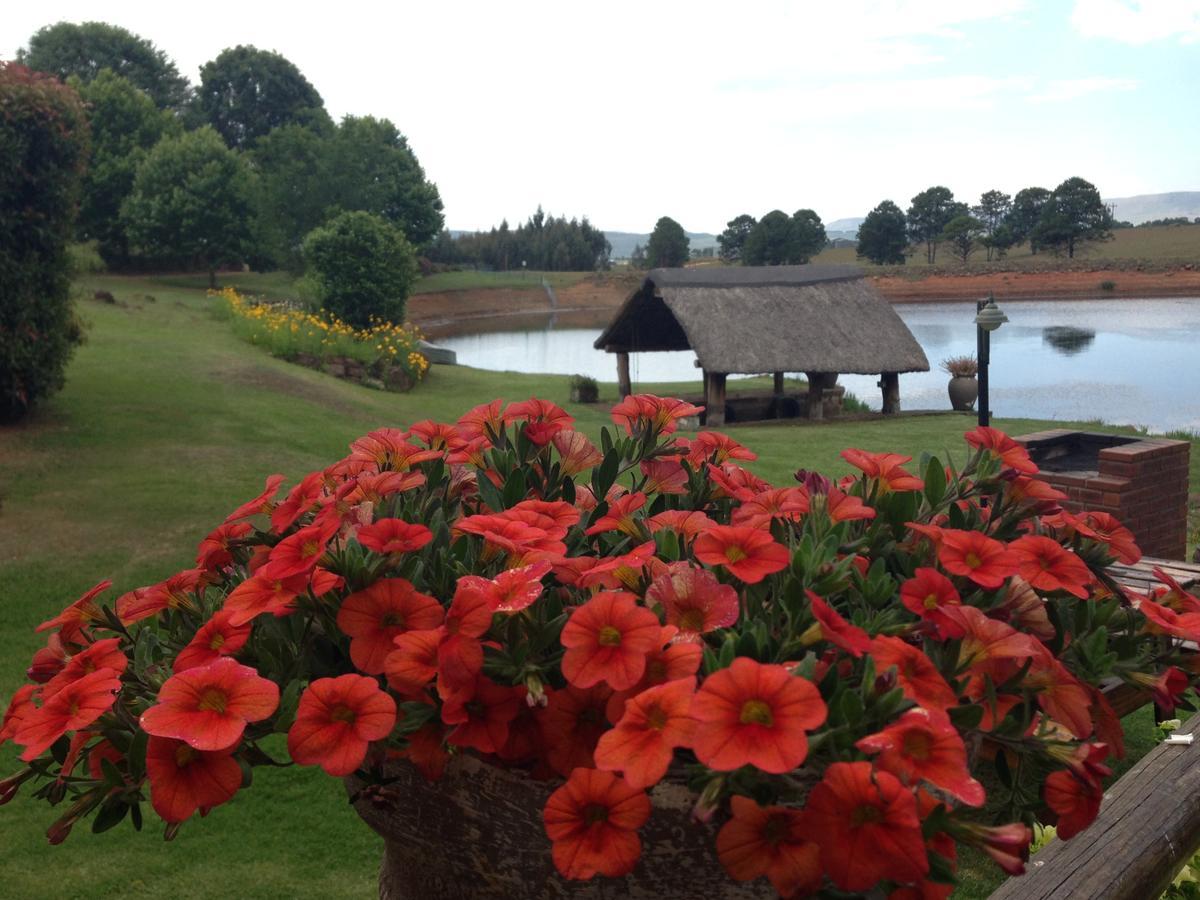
1149, 822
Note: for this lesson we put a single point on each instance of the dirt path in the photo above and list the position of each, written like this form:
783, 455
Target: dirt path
593, 302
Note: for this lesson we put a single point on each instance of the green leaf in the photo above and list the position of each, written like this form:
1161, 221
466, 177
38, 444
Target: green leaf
935, 481
110, 815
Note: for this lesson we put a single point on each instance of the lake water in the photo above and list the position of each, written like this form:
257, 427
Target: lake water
1130, 362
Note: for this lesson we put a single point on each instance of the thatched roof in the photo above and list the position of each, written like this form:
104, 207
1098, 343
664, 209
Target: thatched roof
749, 319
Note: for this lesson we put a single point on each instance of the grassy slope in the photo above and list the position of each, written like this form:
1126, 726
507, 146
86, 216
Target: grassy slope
1157, 244
167, 423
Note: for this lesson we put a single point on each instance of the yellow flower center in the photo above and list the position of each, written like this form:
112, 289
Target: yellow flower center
342, 714
865, 815
609, 637
931, 601
756, 712
691, 620
213, 700
656, 718
735, 554
184, 755
973, 561
217, 642
916, 745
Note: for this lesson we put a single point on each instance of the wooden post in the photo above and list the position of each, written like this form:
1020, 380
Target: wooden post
714, 399
816, 394
623, 383
890, 383
778, 385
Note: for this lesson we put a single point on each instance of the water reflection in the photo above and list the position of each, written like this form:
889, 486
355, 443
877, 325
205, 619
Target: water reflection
1124, 361
1067, 339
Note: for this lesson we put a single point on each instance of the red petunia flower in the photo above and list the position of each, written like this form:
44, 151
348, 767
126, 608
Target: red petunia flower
715, 447
755, 714
20, 707
184, 779
259, 594
655, 722
77, 705
209, 707
105, 654
916, 674
260, 505
413, 664
686, 523
668, 661
923, 745
512, 590
867, 827
620, 517
437, 435
1075, 799
985, 640
785, 504
575, 452
664, 476
1047, 566
837, 630
177, 592
389, 450
83, 612
215, 638
1000, 445
543, 419
642, 413
926, 593
47, 661
616, 572
481, 714
1102, 527
730, 480
885, 469
299, 553
521, 543
751, 554
375, 616
387, 536
607, 640
973, 554
426, 750
214, 554
767, 840
336, 720
460, 653
571, 724
1162, 618
483, 421
1007, 845
693, 601
299, 500
843, 507
592, 821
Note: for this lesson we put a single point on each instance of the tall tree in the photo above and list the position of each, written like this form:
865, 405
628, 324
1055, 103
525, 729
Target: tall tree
245, 92
85, 50
930, 212
770, 241
808, 236
992, 212
883, 235
962, 234
191, 203
125, 124
43, 151
1024, 215
1073, 215
733, 239
295, 192
372, 169
668, 245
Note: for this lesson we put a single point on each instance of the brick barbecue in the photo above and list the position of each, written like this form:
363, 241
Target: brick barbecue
1141, 481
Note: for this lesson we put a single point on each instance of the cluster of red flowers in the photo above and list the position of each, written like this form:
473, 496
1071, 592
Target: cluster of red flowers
815, 660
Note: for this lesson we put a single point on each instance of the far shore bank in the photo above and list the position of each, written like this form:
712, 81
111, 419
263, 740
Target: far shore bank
592, 302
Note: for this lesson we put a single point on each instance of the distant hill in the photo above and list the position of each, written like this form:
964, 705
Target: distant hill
623, 242
1145, 207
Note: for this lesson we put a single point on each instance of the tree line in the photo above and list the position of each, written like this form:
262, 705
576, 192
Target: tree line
541, 243
1058, 221
239, 168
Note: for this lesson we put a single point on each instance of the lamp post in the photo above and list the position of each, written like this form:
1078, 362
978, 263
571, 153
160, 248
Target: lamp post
988, 318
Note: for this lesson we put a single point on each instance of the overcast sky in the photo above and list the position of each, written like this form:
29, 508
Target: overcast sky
625, 112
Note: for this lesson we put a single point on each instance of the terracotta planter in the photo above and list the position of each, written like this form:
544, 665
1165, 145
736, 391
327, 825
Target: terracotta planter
963, 392
478, 833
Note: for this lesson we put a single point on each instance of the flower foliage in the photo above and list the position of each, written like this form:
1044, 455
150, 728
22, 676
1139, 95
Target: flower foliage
853, 676
289, 332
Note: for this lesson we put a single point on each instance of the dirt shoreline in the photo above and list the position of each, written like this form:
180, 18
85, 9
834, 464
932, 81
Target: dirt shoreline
592, 303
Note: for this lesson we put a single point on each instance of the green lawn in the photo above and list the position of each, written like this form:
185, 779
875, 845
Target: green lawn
166, 424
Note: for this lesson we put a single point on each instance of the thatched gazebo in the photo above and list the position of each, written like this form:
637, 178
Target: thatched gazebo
820, 320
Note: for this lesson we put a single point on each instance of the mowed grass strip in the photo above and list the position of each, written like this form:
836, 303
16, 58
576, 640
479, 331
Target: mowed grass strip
167, 422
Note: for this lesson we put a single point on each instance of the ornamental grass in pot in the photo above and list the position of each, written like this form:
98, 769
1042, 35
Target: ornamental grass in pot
549, 668
963, 388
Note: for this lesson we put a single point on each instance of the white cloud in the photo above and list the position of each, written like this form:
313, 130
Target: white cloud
1074, 88
1138, 21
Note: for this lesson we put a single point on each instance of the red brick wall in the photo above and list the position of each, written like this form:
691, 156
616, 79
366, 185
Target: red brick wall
1144, 484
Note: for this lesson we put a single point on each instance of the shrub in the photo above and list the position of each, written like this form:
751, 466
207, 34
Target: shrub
842, 654
960, 366
363, 268
43, 152
1108, 285
584, 389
